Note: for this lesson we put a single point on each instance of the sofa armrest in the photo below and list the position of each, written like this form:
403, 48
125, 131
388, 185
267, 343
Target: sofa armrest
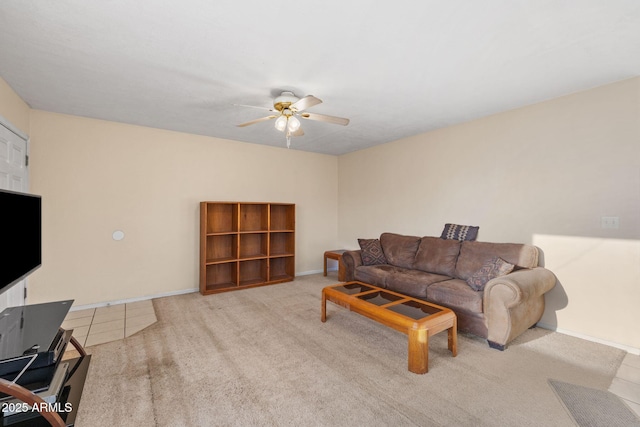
515, 302
351, 260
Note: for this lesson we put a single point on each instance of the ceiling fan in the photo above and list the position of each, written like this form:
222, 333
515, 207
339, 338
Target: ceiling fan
287, 108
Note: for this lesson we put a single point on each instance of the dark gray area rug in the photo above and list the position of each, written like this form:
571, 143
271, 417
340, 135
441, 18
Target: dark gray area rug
591, 407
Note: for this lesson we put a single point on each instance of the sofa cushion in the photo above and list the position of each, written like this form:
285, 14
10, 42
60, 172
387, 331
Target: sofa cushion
375, 275
371, 252
473, 255
399, 250
413, 282
460, 232
491, 269
456, 294
437, 255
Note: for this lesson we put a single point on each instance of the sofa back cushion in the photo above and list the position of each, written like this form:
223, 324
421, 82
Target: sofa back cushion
399, 250
473, 255
437, 255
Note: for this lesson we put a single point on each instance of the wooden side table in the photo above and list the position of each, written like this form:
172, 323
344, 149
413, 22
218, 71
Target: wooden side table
337, 255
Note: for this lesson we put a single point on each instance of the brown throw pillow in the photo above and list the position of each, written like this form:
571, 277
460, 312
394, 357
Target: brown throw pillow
372, 252
459, 232
491, 269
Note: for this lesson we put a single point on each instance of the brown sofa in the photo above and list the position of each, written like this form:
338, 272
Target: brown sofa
436, 270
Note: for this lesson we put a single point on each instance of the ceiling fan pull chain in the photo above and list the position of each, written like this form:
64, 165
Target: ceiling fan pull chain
288, 139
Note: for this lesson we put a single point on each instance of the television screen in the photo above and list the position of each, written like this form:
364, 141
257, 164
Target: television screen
21, 234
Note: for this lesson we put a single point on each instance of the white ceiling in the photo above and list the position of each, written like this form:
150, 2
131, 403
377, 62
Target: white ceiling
394, 68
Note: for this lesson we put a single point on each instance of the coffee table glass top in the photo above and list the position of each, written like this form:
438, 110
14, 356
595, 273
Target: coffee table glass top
353, 288
380, 298
398, 304
414, 309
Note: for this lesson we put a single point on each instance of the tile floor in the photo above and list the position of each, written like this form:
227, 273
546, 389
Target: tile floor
100, 325
626, 384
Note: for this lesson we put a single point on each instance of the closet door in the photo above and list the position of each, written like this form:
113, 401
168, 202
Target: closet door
14, 176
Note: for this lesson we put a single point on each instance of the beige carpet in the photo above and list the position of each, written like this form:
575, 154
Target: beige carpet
261, 357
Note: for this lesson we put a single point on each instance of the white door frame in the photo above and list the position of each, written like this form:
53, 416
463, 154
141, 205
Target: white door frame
16, 295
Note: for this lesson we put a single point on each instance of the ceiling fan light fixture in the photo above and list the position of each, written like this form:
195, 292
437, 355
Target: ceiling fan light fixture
294, 124
288, 109
281, 123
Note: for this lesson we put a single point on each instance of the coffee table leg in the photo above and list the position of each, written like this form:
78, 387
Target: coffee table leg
323, 308
325, 265
453, 338
418, 351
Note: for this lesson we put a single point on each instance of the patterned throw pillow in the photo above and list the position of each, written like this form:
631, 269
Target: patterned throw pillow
459, 232
491, 269
372, 252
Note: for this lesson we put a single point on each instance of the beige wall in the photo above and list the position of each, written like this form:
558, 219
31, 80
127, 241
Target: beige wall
13, 108
552, 169
96, 177
544, 174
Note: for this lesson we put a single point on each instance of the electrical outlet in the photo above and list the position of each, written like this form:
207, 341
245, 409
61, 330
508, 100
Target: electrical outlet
610, 222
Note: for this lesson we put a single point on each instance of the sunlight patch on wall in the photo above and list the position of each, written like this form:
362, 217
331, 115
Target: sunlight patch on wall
598, 289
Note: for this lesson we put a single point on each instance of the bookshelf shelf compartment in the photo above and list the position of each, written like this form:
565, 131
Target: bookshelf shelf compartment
221, 248
221, 276
281, 269
254, 217
253, 245
282, 217
222, 218
281, 244
253, 272
245, 244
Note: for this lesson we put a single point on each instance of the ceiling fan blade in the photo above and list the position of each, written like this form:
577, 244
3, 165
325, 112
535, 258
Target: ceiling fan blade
325, 118
304, 103
299, 132
264, 119
253, 106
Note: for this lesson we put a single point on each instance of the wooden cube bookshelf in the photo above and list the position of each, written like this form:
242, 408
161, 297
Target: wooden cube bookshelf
245, 244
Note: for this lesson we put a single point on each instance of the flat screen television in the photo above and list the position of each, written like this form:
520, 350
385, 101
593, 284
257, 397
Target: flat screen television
20, 236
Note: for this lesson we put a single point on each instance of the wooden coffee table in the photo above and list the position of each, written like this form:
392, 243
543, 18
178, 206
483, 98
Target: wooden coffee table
416, 318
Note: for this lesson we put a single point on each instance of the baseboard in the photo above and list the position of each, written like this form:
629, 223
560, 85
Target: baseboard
310, 272
167, 294
626, 348
130, 300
